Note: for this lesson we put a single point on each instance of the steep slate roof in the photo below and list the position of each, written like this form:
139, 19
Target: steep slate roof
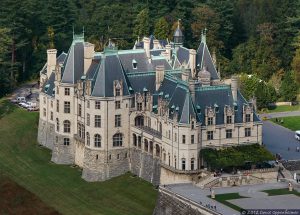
183, 55
109, 71
49, 86
139, 55
143, 80
161, 62
73, 66
203, 58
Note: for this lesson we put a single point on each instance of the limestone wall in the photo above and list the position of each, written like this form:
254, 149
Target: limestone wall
46, 134
62, 154
169, 177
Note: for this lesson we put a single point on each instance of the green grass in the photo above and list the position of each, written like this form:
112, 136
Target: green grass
284, 108
292, 122
276, 192
60, 186
223, 198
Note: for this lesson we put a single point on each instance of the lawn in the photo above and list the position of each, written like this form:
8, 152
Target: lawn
292, 122
60, 186
223, 198
276, 192
284, 108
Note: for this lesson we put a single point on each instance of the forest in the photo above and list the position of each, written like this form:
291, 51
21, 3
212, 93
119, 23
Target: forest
258, 39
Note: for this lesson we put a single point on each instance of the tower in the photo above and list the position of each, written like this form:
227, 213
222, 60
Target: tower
178, 36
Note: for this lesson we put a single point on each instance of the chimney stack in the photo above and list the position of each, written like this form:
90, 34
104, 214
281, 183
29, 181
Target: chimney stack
146, 41
160, 74
51, 61
193, 62
168, 52
155, 44
88, 55
234, 87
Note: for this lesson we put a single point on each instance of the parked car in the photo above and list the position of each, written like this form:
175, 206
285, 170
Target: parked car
24, 104
19, 99
297, 135
33, 108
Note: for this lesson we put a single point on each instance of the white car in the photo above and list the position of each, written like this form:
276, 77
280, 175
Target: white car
297, 135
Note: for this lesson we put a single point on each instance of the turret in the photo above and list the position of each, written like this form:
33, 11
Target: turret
178, 36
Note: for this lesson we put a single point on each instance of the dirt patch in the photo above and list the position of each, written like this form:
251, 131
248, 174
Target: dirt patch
14, 199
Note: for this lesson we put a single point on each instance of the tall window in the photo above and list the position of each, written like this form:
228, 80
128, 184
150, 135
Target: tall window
117, 120
183, 139
51, 104
88, 104
67, 108
210, 135
192, 139
66, 141
97, 121
57, 124
44, 112
247, 132
210, 120
51, 115
97, 104
67, 91
192, 164
79, 109
248, 117
193, 125
97, 140
229, 133
57, 90
57, 106
229, 119
139, 106
88, 140
183, 164
67, 126
117, 140
118, 92
88, 119
117, 104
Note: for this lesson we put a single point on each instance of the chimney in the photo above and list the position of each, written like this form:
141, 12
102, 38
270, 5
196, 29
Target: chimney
192, 87
193, 62
88, 55
160, 74
234, 87
51, 61
169, 52
155, 44
146, 41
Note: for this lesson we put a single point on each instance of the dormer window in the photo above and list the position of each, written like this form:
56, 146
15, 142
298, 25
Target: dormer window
198, 109
248, 117
134, 64
216, 108
210, 121
235, 107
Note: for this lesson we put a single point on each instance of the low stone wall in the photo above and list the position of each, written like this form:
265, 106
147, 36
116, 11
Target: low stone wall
172, 204
145, 166
46, 134
62, 154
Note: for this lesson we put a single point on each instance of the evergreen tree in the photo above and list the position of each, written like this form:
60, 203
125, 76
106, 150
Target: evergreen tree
296, 61
161, 30
288, 89
142, 24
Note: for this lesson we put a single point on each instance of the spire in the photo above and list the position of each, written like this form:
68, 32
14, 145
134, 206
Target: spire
178, 36
203, 35
178, 23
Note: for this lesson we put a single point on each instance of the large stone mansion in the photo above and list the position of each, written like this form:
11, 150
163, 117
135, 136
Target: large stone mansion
142, 110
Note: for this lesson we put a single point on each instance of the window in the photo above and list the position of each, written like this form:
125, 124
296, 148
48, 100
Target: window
67, 108
88, 119
67, 91
117, 120
229, 133
109, 157
88, 140
169, 134
67, 126
192, 164
97, 140
51, 104
66, 141
247, 132
210, 135
57, 106
118, 156
139, 106
57, 124
125, 155
192, 139
183, 164
183, 139
97, 105
57, 90
118, 91
88, 104
51, 115
117, 140
193, 125
97, 121
44, 112
97, 157
117, 104
56, 139
79, 109
210, 120
248, 117
229, 119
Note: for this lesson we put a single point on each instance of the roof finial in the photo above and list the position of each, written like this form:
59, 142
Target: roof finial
178, 23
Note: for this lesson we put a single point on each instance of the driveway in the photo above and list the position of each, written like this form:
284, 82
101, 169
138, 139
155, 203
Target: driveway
280, 114
277, 139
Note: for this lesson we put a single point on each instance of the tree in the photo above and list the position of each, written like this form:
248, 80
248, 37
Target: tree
162, 29
288, 89
142, 24
296, 61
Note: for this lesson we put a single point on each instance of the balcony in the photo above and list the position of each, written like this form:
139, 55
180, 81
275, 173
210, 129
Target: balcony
150, 131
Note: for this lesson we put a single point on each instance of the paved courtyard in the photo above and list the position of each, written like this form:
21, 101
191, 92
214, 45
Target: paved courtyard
200, 196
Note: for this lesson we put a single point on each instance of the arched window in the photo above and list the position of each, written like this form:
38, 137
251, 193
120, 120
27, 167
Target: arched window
57, 124
139, 121
183, 163
88, 138
118, 140
97, 140
192, 164
67, 126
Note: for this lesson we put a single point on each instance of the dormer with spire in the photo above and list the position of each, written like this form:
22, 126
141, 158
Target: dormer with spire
178, 35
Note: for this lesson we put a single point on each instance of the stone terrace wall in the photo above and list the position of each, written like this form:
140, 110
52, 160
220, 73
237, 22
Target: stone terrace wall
145, 166
46, 134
